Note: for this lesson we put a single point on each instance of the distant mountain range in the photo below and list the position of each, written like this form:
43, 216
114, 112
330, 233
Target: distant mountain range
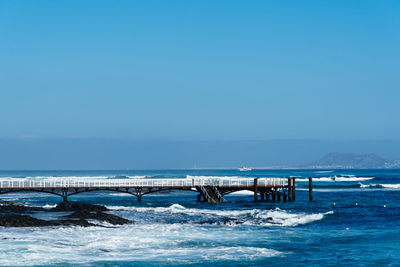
353, 161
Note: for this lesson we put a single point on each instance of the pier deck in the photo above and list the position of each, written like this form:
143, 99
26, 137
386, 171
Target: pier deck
209, 189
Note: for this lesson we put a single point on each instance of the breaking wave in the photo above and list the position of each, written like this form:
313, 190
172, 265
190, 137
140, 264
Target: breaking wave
320, 179
337, 178
388, 186
275, 217
118, 194
242, 192
48, 206
323, 171
212, 177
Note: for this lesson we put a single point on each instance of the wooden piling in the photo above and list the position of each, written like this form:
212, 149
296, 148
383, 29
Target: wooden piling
273, 195
290, 189
278, 196
310, 196
293, 188
262, 196
65, 195
255, 189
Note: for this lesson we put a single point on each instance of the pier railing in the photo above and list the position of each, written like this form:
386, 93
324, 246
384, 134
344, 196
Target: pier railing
22, 183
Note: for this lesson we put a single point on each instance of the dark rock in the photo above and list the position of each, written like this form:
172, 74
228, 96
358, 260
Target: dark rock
14, 220
98, 215
78, 206
19, 209
81, 212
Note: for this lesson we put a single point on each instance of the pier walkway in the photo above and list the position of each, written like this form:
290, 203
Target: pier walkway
210, 189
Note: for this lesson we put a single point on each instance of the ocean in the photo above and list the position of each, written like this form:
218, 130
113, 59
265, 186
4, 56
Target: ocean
353, 220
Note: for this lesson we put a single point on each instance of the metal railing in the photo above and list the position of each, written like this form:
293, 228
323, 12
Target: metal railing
21, 183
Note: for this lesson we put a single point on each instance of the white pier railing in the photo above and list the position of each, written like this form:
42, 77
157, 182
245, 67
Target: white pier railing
22, 183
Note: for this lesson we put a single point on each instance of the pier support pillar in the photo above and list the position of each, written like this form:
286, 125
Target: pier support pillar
199, 197
262, 196
64, 194
284, 196
278, 196
273, 193
310, 196
293, 188
290, 189
139, 198
255, 189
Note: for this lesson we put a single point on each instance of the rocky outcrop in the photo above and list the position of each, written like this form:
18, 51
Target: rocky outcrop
16, 220
78, 206
15, 215
19, 209
98, 215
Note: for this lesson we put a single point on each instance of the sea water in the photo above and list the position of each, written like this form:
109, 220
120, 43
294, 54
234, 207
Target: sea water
353, 220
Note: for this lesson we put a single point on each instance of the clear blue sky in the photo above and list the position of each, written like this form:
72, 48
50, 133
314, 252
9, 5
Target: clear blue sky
200, 70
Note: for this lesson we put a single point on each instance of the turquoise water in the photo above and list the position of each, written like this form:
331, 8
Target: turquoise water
354, 219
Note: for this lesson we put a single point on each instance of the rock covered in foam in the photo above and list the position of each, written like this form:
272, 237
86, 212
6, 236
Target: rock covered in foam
98, 215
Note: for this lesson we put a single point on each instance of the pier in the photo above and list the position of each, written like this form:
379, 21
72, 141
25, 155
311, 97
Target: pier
210, 190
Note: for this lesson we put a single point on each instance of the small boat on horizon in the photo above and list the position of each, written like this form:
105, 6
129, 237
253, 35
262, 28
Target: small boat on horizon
245, 169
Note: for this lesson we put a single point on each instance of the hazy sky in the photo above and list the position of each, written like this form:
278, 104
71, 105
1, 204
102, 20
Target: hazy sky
200, 70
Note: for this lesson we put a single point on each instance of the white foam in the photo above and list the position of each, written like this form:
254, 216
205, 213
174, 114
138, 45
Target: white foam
282, 218
235, 253
388, 186
367, 185
48, 206
242, 192
118, 194
137, 177
336, 178
250, 217
213, 177
153, 243
352, 178
177, 208
320, 179
394, 186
